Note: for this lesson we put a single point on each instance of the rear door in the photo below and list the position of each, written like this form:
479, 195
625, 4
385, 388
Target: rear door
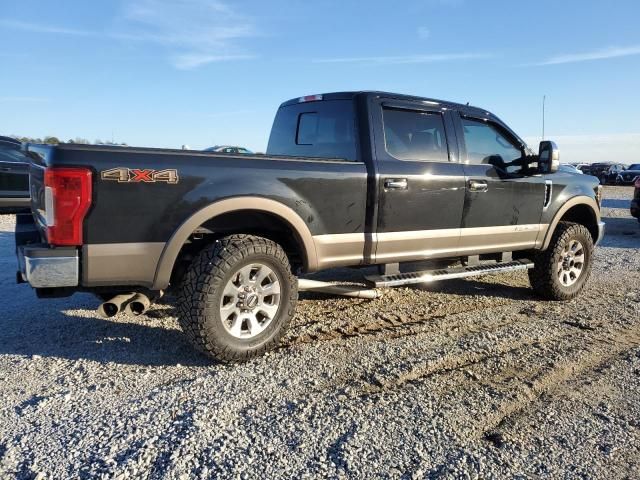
504, 198
420, 184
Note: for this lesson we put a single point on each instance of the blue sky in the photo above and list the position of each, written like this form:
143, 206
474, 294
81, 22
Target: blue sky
203, 72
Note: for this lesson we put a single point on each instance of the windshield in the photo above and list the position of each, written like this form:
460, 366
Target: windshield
634, 166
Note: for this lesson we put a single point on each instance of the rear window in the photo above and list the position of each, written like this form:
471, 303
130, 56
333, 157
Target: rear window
315, 129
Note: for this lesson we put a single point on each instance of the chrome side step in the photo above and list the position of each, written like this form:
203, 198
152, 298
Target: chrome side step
447, 273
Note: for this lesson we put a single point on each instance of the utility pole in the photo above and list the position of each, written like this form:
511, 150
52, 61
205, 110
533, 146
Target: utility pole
544, 99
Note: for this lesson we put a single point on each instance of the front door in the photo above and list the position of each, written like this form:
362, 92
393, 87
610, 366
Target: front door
420, 184
504, 197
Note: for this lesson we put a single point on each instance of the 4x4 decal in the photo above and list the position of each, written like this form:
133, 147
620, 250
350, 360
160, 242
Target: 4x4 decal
137, 175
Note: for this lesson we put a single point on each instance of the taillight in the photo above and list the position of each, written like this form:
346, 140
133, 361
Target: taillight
67, 199
637, 182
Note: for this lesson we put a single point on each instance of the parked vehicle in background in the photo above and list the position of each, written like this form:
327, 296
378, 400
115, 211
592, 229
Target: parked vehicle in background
568, 168
229, 149
14, 177
585, 168
350, 179
628, 176
609, 176
597, 169
635, 201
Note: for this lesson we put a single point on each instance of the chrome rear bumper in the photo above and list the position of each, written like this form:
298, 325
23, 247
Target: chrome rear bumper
45, 267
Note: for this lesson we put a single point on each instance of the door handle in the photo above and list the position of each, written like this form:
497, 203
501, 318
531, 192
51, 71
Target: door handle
396, 183
478, 186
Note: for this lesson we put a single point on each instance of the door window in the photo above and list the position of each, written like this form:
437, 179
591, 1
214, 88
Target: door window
414, 135
486, 144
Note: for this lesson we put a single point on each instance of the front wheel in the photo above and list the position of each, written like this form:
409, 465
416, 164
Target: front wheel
237, 297
561, 271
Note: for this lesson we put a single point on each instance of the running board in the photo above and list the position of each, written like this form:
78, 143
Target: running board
447, 273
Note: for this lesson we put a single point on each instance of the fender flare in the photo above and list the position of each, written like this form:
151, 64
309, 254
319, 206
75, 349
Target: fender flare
174, 245
572, 202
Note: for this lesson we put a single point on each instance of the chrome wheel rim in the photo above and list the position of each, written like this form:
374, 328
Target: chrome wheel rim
571, 263
250, 300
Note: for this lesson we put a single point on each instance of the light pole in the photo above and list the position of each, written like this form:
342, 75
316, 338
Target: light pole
544, 99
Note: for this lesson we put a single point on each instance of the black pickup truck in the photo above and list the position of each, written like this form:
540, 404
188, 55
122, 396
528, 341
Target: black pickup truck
349, 179
14, 177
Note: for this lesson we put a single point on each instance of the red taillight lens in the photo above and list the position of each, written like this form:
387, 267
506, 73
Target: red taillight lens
67, 200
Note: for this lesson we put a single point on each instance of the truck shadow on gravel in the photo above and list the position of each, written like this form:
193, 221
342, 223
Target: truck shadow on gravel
124, 341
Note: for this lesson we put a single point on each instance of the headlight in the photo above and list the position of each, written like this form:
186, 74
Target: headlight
598, 191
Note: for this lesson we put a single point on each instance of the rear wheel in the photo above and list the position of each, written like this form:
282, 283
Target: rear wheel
237, 297
561, 271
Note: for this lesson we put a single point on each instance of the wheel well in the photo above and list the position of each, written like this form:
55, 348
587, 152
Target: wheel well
249, 222
584, 215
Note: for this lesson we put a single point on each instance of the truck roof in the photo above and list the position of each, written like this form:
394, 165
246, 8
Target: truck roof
398, 96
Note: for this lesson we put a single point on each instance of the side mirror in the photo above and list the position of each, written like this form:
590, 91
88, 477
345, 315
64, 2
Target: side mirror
548, 157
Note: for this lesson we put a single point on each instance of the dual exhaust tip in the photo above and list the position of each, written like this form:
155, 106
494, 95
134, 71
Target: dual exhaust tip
133, 304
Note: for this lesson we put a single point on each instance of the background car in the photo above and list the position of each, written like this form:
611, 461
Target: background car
635, 201
609, 176
229, 149
597, 169
14, 176
628, 176
568, 168
585, 168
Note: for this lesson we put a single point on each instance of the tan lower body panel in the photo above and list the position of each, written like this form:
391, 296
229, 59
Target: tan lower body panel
507, 238
339, 250
120, 263
416, 245
347, 249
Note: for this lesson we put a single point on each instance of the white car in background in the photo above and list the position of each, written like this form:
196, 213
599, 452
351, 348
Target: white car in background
565, 167
229, 149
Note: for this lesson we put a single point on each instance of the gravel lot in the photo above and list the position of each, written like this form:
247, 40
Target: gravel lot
467, 379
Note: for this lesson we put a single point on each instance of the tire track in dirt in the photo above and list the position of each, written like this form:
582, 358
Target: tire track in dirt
396, 324
461, 359
595, 352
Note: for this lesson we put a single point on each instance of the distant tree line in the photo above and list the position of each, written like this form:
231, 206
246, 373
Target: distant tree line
51, 140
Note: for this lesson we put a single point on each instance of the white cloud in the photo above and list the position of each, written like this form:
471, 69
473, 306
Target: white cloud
424, 32
600, 54
406, 59
194, 32
38, 28
614, 147
22, 100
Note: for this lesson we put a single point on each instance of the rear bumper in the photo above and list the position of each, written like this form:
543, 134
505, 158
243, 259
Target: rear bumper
45, 267
21, 202
601, 229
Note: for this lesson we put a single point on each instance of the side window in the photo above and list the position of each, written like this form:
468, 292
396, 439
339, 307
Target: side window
415, 135
486, 144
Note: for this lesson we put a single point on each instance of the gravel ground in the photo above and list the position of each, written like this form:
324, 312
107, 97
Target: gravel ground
467, 379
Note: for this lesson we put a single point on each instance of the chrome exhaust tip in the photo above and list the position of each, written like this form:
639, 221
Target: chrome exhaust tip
138, 305
114, 306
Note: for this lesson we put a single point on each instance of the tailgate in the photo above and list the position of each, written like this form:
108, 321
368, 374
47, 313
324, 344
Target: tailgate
39, 156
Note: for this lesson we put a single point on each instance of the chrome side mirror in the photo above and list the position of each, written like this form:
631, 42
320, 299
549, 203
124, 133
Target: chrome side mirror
548, 157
